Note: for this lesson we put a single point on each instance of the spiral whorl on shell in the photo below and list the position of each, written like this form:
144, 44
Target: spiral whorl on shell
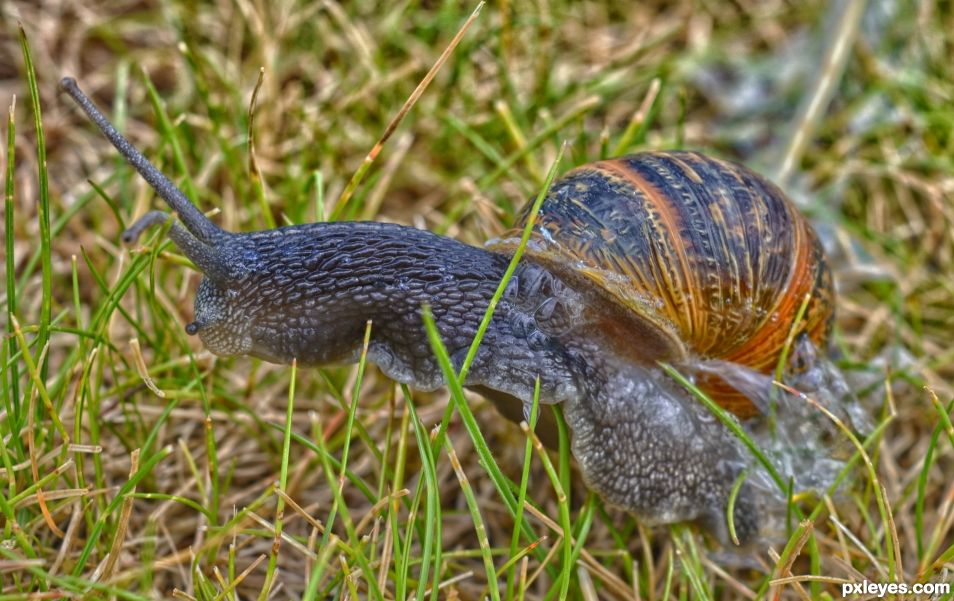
684, 256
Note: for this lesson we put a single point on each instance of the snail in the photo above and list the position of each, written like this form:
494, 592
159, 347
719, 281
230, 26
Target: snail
659, 257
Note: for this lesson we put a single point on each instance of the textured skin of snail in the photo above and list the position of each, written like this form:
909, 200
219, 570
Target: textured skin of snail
665, 256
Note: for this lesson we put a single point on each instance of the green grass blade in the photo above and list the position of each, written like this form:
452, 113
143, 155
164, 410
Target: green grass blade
282, 484
11, 397
511, 267
481, 530
43, 213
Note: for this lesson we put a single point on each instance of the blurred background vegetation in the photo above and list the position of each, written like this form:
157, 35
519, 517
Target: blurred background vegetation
113, 491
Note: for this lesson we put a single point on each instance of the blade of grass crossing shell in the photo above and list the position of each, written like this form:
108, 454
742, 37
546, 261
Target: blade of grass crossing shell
282, 484
783, 357
790, 338
455, 380
43, 212
495, 299
522, 493
514, 261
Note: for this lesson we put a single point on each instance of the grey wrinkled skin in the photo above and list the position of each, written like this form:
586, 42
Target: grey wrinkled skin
307, 292
647, 447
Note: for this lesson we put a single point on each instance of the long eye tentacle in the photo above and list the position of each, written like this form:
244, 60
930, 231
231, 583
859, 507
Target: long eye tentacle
193, 219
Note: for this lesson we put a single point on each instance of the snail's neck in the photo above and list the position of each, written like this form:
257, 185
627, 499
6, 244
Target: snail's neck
310, 291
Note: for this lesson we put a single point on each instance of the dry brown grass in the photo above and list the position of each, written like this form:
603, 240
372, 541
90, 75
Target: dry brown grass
877, 174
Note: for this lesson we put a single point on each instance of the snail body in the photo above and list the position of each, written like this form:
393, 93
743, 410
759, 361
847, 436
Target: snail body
657, 257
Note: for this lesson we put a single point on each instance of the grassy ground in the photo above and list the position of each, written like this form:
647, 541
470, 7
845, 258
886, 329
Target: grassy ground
136, 465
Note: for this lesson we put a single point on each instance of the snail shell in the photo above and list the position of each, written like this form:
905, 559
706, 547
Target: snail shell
685, 257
